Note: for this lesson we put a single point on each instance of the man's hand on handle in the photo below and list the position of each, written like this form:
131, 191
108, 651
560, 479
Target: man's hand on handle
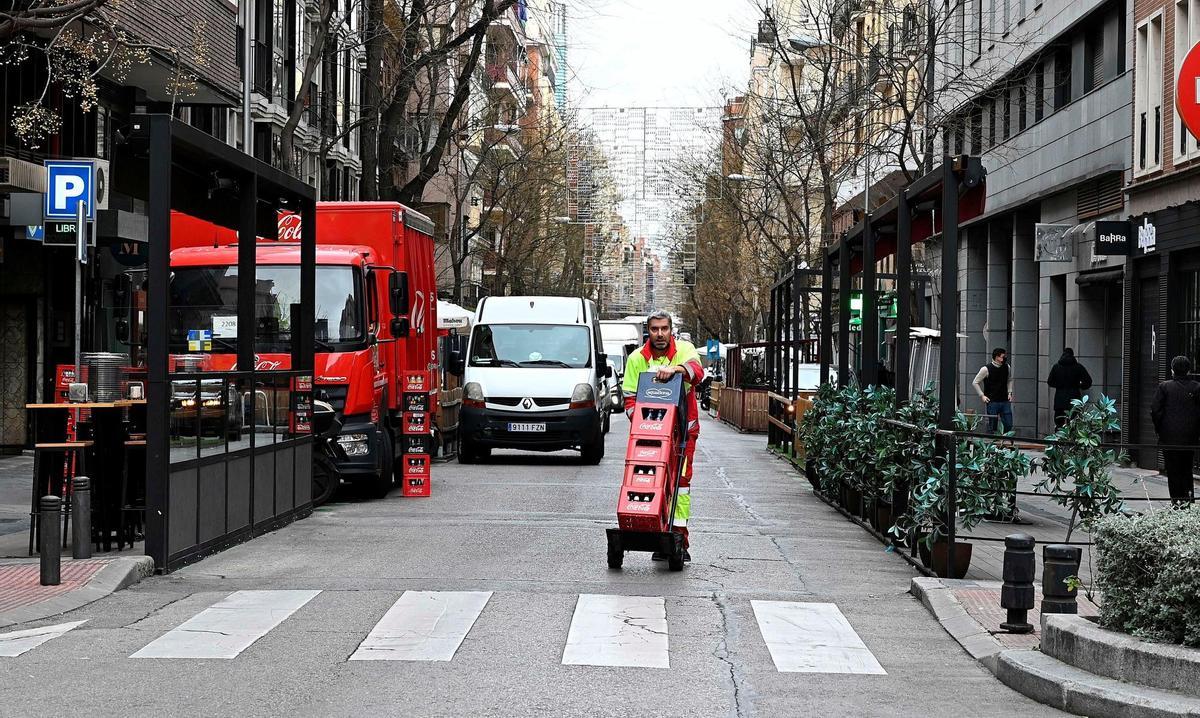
664, 373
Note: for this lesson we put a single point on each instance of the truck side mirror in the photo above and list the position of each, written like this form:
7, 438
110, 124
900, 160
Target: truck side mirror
398, 294
399, 327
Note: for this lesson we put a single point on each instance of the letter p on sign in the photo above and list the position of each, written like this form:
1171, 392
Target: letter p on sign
69, 182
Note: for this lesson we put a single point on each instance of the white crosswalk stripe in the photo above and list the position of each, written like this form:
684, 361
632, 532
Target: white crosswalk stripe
423, 626
618, 631
229, 627
812, 638
18, 642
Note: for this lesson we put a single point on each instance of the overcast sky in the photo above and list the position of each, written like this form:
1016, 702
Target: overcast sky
657, 52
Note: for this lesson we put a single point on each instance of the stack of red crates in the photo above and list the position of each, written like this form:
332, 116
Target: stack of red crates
651, 463
416, 436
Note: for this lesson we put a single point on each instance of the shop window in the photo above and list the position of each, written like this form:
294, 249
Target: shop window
1189, 319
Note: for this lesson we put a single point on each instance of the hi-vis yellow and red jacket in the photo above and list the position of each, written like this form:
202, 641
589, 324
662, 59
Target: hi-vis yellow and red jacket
678, 353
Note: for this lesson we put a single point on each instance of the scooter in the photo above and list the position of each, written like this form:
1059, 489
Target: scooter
326, 452
704, 393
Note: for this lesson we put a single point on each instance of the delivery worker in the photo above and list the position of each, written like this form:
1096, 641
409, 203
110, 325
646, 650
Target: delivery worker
669, 356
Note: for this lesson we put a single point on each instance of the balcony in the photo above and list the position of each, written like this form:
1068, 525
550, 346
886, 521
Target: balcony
506, 80
495, 140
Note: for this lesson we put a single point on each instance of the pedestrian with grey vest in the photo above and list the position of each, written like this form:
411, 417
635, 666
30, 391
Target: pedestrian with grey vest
1176, 416
994, 384
1069, 379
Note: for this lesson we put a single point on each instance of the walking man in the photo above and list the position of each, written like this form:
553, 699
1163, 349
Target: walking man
1176, 416
1069, 379
994, 384
668, 356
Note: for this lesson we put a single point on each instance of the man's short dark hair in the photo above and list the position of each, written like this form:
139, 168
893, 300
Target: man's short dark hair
998, 351
1181, 366
660, 314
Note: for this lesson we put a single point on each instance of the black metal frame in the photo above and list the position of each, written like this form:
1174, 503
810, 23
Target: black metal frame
178, 164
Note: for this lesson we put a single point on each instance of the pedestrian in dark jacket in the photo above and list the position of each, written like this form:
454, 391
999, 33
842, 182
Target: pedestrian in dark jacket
1176, 415
1069, 379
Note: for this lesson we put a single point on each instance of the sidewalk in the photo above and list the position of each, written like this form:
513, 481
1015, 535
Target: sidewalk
23, 598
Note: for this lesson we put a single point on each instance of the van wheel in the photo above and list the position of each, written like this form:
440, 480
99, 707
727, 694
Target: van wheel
470, 453
607, 421
383, 481
593, 453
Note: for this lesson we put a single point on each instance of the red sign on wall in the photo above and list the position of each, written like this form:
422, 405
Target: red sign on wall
1187, 97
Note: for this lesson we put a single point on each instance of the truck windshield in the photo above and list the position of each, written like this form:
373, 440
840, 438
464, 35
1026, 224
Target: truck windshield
531, 345
204, 299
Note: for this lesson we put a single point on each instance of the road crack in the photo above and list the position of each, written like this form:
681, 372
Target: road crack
723, 654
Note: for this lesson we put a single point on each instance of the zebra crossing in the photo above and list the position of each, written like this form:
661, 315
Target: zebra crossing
604, 630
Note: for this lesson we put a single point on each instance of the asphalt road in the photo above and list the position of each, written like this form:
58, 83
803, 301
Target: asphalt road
528, 530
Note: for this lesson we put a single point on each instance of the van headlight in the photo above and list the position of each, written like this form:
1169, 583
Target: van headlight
473, 395
583, 396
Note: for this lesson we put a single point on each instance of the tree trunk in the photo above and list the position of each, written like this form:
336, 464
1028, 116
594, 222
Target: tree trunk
287, 136
372, 99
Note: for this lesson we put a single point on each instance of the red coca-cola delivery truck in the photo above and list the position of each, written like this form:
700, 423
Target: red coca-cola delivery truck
376, 319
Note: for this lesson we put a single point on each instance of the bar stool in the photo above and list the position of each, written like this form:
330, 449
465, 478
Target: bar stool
133, 497
67, 449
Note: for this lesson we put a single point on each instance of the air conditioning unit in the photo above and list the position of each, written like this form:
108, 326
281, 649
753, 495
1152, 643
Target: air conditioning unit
21, 176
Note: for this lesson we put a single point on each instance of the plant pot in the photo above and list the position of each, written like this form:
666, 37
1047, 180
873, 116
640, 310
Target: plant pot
882, 516
962, 559
810, 472
842, 499
924, 552
854, 502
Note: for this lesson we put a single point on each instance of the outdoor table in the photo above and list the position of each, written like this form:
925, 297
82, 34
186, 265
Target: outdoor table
103, 451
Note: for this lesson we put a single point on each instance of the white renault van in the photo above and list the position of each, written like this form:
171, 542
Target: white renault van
533, 378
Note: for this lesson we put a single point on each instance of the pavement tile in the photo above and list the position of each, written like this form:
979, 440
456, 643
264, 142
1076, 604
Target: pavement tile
20, 583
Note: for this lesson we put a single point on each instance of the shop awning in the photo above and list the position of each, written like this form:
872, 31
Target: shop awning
452, 316
1100, 276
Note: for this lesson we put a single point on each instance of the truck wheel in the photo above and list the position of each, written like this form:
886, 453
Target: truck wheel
593, 453
324, 479
383, 481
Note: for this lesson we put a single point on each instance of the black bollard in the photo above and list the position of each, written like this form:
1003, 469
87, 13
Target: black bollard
81, 512
1059, 562
49, 544
1017, 592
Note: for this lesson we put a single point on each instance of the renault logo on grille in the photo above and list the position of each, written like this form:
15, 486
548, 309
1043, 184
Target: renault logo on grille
528, 404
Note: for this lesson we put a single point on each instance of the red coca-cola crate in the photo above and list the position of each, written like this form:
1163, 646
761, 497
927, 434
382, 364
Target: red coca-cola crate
416, 478
416, 422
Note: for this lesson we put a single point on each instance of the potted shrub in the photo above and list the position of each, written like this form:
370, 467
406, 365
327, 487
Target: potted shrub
1075, 470
813, 432
903, 458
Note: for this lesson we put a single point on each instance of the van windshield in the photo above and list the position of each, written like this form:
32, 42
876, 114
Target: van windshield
531, 345
621, 332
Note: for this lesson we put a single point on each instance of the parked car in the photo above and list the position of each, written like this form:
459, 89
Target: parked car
616, 395
535, 378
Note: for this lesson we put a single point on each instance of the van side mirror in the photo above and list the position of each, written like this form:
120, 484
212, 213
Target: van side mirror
398, 294
399, 327
601, 365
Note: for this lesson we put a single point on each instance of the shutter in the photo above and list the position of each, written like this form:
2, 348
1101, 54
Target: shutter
1127, 352
1099, 197
1097, 47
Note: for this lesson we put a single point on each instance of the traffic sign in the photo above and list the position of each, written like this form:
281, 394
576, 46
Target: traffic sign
1187, 92
69, 182
713, 347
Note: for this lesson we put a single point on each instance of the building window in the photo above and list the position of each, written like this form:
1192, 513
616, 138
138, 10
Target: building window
1006, 98
991, 124
1189, 319
1062, 78
1039, 92
1022, 104
977, 130
1148, 91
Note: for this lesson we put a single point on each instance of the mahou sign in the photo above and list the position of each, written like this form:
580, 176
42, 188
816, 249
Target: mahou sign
288, 227
1187, 94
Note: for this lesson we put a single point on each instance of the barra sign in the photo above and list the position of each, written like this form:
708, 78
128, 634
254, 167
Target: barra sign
1187, 90
1112, 238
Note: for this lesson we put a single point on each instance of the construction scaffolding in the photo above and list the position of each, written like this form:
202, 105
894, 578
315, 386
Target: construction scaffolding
632, 186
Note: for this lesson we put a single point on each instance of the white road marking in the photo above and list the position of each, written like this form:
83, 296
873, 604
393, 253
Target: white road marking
423, 626
228, 627
812, 638
618, 631
18, 642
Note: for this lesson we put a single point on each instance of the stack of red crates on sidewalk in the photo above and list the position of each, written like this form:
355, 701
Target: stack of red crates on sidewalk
416, 439
651, 464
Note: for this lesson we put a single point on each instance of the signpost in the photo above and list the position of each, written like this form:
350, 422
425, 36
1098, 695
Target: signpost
71, 195
1187, 90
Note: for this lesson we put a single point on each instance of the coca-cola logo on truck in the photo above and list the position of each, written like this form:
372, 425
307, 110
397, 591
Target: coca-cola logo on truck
288, 227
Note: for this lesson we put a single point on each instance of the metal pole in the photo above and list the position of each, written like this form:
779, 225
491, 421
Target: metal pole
951, 502
81, 510
843, 313
158, 467
48, 544
903, 295
797, 324
870, 308
80, 260
247, 133
826, 359
948, 371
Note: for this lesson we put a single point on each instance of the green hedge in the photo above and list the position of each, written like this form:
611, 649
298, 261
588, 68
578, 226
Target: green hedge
1148, 574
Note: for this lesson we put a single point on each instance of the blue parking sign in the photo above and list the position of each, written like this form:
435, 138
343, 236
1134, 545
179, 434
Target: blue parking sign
714, 349
68, 182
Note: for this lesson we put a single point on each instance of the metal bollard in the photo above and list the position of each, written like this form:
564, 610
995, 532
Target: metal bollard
81, 514
1059, 562
1017, 592
48, 527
